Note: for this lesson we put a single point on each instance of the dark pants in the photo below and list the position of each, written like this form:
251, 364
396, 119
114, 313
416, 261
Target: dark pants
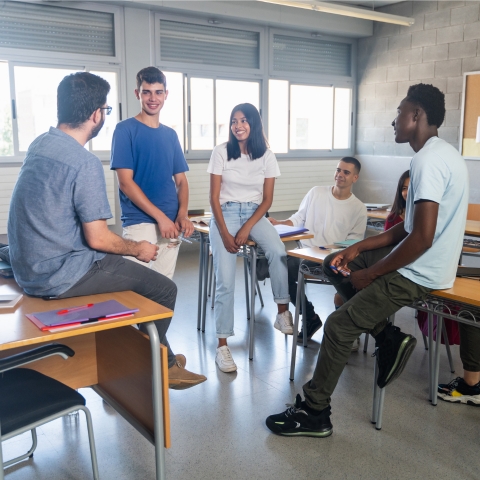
115, 274
293, 264
470, 347
363, 311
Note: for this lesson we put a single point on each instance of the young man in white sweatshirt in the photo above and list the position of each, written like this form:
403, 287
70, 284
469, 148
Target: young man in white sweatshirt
332, 214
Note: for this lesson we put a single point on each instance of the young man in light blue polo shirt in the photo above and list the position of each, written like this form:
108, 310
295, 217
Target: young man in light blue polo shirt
379, 275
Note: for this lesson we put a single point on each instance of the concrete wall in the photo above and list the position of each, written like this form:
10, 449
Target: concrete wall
441, 46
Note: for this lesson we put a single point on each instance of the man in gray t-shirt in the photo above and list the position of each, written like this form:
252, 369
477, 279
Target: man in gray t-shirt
60, 245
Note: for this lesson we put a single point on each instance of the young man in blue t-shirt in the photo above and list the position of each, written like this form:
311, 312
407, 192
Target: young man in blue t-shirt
151, 170
379, 275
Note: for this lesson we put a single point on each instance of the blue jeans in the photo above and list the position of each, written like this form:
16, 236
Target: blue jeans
264, 234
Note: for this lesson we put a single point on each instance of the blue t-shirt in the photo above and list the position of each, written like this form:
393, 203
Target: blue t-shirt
154, 155
61, 185
438, 173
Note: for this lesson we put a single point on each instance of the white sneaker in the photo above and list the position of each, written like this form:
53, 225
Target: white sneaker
284, 323
224, 360
356, 345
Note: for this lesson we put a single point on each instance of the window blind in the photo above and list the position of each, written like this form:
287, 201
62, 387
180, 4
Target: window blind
305, 55
191, 43
56, 29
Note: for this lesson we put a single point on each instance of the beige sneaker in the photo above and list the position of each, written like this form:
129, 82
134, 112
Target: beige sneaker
179, 378
284, 322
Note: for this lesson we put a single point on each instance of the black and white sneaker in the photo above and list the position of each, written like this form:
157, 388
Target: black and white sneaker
312, 327
297, 422
458, 391
393, 349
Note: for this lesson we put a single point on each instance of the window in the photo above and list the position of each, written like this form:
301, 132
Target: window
34, 106
6, 137
36, 101
173, 109
309, 117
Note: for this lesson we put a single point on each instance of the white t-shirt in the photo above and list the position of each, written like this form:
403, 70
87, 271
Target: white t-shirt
243, 178
329, 219
438, 173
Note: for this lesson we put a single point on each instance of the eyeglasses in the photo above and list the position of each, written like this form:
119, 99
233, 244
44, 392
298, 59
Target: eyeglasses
108, 110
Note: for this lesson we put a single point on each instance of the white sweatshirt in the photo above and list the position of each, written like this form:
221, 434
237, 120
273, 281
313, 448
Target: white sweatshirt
329, 219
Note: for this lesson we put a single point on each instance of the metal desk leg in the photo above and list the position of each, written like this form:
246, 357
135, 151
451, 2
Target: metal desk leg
200, 280
295, 324
206, 254
253, 276
436, 367
157, 401
245, 275
430, 356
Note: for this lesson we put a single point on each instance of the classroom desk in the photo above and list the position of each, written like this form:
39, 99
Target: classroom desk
249, 253
472, 228
112, 357
378, 214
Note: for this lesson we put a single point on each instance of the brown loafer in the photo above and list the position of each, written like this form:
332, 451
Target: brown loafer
179, 378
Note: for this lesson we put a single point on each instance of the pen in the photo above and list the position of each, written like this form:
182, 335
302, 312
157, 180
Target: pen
183, 239
74, 309
333, 267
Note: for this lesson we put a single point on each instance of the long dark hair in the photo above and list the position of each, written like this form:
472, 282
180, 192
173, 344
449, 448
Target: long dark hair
257, 143
399, 204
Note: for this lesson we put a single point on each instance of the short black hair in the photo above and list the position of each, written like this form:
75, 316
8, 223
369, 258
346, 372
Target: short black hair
256, 143
78, 96
353, 161
151, 75
431, 99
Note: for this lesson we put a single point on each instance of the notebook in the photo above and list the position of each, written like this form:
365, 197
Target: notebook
346, 243
287, 230
80, 314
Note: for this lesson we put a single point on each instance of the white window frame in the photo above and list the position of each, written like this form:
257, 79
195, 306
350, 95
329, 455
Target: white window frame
48, 59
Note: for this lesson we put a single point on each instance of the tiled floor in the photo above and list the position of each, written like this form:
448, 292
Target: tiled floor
218, 429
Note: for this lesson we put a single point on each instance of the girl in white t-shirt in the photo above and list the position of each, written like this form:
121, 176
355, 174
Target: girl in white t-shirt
242, 178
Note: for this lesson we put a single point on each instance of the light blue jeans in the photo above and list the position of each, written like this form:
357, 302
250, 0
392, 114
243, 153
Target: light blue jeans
266, 237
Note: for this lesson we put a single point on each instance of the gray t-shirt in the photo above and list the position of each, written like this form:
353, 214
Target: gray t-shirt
61, 185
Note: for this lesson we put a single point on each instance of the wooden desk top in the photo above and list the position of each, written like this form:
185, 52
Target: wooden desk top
472, 228
464, 290
17, 330
314, 254
378, 214
292, 238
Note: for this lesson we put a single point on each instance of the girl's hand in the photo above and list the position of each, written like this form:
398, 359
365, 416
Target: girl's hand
229, 243
242, 235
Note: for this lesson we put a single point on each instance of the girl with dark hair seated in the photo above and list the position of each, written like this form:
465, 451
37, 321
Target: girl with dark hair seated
397, 214
242, 178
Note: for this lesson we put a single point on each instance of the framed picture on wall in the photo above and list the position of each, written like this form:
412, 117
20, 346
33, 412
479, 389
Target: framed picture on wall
470, 120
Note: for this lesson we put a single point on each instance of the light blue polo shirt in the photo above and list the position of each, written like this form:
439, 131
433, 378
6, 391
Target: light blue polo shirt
438, 173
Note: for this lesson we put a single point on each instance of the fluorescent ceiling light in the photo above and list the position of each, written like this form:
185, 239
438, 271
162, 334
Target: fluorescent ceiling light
337, 9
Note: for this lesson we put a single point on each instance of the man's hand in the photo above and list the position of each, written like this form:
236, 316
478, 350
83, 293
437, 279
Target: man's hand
273, 221
361, 278
343, 258
183, 224
167, 228
242, 235
146, 251
229, 243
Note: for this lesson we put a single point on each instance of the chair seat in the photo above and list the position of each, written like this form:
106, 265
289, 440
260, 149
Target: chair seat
27, 396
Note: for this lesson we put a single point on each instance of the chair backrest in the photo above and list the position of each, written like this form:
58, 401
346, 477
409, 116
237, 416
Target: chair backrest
473, 212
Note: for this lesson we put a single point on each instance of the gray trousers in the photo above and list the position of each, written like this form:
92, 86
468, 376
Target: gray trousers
115, 274
363, 311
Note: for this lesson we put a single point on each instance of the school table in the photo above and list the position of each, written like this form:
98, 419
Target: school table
112, 357
251, 254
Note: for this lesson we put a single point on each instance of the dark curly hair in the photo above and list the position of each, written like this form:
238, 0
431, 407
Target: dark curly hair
431, 99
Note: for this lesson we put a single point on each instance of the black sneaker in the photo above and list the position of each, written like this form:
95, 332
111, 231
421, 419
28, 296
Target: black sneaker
312, 327
393, 349
297, 422
458, 391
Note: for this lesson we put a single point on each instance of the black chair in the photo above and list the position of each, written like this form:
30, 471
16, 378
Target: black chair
29, 399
